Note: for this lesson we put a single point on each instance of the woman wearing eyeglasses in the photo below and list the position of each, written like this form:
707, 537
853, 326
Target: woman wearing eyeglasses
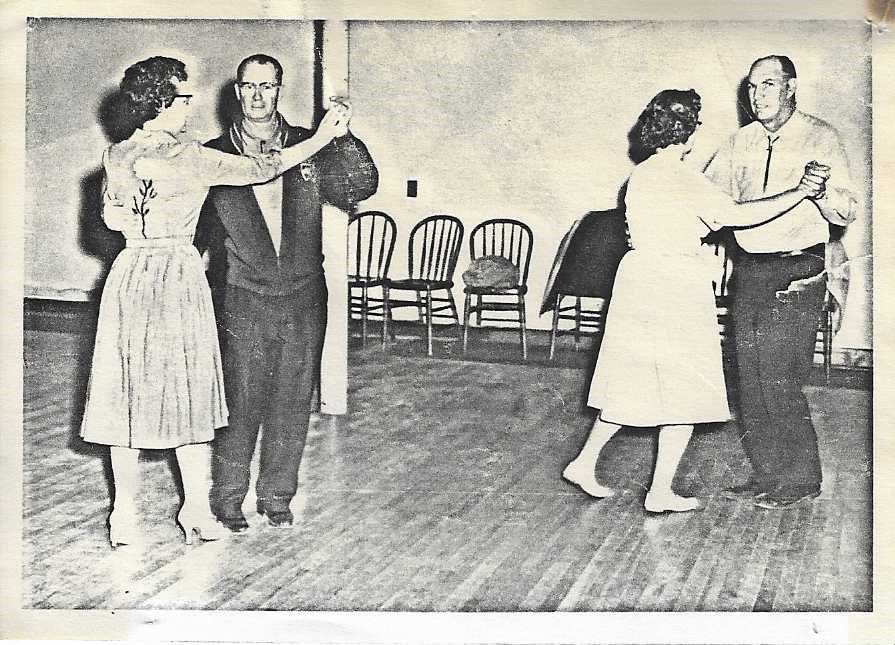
156, 377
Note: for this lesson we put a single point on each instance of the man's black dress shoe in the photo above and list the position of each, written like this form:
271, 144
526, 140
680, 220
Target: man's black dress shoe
749, 488
280, 518
786, 496
236, 523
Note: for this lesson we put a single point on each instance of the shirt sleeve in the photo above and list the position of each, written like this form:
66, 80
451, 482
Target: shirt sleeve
840, 204
711, 203
196, 163
720, 168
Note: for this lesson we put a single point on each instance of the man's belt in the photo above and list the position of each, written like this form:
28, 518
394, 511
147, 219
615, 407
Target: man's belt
817, 251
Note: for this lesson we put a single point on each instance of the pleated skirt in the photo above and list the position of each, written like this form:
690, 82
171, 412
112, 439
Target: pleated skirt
156, 379
660, 358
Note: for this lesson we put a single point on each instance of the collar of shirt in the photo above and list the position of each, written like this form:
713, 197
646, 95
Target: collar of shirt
246, 143
794, 124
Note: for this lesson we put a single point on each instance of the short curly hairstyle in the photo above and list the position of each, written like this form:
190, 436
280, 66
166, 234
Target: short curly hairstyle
147, 87
669, 118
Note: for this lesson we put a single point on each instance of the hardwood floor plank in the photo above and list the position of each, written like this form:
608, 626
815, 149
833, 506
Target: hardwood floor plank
773, 571
441, 490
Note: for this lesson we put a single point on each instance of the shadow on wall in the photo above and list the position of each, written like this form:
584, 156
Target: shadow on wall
744, 111
228, 109
94, 238
636, 152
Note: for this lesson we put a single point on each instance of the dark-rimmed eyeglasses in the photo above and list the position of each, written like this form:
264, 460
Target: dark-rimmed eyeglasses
246, 86
186, 98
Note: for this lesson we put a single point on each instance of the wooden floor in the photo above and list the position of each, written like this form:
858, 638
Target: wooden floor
441, 491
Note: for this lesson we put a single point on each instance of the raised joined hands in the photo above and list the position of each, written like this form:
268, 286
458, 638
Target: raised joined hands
814, 181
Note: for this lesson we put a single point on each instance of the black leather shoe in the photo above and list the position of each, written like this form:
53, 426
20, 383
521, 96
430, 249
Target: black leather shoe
749, 488
279, 518
785, 497
236, 523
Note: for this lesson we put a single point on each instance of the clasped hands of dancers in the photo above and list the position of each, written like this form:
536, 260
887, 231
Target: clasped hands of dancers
156, 379
659, 363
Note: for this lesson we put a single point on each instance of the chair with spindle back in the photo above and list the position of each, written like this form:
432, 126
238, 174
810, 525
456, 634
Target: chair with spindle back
371, 241
512, 240
432, 252
721, 244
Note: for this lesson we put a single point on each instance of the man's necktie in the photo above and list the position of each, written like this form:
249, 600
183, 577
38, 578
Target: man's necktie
767, 165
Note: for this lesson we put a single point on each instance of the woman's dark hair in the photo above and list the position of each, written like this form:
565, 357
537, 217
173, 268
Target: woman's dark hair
147, 87
669, 118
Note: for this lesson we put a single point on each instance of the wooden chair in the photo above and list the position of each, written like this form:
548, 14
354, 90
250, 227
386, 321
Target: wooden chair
720, 284
584, 268
432, 252
825, 334
510, 239
371, 241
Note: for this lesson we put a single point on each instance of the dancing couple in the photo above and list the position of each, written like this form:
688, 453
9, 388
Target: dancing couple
158, 380
659, 363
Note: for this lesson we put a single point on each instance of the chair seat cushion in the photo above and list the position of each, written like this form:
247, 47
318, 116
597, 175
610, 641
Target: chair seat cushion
418, 284
491, 271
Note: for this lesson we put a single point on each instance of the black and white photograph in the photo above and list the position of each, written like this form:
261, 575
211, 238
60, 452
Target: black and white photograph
486, 317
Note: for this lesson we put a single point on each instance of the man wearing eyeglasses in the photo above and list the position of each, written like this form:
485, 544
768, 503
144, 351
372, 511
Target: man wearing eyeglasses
273, 314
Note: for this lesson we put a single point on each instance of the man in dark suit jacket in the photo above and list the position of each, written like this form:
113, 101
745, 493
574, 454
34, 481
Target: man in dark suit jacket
273, 313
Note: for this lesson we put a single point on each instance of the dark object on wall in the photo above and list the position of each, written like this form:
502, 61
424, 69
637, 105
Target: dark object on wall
588, 257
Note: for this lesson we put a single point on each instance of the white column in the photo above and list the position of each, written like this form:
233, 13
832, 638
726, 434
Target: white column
334, 366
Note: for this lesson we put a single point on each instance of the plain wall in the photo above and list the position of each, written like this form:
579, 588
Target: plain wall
531, 119
73, 66
495, 119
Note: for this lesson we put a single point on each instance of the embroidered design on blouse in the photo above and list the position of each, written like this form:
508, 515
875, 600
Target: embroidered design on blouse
147, 192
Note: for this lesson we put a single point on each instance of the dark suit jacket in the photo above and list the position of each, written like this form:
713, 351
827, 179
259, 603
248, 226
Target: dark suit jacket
342, 173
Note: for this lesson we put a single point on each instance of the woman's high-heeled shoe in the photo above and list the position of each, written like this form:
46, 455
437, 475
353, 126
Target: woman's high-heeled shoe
122, 527
203, 524
663, 502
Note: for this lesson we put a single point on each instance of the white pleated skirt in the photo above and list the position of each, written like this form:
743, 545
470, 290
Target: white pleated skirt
156, 379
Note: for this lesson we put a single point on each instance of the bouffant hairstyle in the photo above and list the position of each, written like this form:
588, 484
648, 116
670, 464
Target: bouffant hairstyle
669, 118
147, 87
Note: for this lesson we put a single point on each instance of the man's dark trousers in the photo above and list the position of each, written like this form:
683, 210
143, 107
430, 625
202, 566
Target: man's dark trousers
775, 337
272, 347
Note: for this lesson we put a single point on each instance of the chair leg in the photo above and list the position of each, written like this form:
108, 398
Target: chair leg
466, 302
453, 306
577, 323
828, 344
429, 321
522, 333
386, 312
478, 311
555, 328
365, 306
420, 307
